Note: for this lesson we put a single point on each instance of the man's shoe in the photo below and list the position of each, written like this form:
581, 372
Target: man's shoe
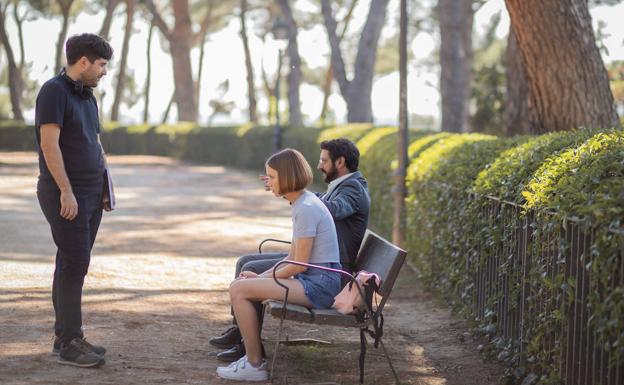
79, 353
228, 339
242, 370
56, 348
235, 353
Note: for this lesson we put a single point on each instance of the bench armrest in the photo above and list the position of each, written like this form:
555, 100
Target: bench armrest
270, 240
310, 266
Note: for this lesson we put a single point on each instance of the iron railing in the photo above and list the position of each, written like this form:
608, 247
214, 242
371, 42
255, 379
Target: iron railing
533, 274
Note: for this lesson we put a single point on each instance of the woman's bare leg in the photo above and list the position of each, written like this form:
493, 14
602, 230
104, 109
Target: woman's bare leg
244, 291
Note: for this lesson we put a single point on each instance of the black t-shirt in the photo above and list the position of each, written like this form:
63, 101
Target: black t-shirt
76, 113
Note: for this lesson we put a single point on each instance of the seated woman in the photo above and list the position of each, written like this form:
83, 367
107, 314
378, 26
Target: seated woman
314, 241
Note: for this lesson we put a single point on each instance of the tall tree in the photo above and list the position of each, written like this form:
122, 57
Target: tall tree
108, 18
148, 76
456, 19
15, 78
65, 9
357, 91
566, 78
251, 88
202, 53
294, 61
181, 40
400, 191
19, 21
121, 76
329, 74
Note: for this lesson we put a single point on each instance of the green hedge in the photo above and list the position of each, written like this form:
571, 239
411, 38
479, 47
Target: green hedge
16, 136
555, 178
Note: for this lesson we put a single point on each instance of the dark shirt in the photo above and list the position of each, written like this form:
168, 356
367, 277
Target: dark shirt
349, 205
77, 116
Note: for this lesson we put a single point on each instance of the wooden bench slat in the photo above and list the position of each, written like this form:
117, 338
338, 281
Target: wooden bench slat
293, 312
332, 317
317, 316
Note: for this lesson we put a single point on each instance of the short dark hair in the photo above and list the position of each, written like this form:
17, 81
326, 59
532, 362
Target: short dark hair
345, 148
89, 45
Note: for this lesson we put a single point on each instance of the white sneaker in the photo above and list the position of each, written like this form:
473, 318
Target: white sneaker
242, 370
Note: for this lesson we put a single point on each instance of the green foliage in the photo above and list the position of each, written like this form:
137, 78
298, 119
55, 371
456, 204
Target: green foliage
378, 163
16, 136
555, 180
509, 174
353, 131
442, 173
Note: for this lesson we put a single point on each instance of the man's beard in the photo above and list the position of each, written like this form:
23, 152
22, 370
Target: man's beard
331, 175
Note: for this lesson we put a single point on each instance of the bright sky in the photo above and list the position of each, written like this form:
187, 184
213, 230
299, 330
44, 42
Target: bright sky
225, 61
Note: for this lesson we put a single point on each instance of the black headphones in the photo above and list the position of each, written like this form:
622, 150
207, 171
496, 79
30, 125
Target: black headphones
78, 86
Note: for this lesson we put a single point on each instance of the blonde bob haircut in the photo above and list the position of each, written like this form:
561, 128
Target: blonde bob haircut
293, 171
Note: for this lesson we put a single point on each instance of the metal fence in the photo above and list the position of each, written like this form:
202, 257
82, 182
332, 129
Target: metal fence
512, 269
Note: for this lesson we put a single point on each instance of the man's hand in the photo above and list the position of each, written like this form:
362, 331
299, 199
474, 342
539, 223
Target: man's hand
69, 206
247, 274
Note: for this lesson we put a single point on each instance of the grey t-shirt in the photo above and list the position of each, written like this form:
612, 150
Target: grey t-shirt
311, 218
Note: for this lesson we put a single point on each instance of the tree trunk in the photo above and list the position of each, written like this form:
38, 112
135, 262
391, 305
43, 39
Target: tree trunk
400, 192
251, 88
202, 54
20, 33
121, 77
168, 109
200, 66
15, 78
456, 19
357, 92
517, 112
181, 40
294, 64
329, 75
566, 78
148, 77
108, 18
65, 6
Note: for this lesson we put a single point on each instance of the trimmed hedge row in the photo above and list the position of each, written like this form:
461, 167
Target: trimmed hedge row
553, 177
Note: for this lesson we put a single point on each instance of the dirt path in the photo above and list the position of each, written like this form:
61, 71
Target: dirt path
157, 288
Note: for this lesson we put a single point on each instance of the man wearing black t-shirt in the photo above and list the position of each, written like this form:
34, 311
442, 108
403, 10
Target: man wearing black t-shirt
70, 186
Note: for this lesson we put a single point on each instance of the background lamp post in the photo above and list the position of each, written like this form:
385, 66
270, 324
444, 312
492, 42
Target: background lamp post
281, 34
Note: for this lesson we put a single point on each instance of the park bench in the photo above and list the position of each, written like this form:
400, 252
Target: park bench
376, 255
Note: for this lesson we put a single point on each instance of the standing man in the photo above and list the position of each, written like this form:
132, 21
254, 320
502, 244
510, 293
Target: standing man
70, 186
348, 202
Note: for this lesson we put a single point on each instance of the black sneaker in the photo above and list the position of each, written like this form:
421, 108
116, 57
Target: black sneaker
56, 348
79, 353
228, 339
235, 353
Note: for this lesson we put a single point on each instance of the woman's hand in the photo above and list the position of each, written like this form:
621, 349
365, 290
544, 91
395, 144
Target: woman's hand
247, 274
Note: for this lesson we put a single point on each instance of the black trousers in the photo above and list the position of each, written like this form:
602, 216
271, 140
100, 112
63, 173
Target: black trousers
74, 240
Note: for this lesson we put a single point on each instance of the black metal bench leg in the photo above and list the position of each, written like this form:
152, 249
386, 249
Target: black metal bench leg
362, 354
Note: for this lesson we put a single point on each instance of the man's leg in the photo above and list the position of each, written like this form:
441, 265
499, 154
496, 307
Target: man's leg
73, 240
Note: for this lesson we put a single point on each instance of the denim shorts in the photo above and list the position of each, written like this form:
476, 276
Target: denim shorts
321, 286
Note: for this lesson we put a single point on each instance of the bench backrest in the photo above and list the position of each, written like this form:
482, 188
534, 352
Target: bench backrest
382, 257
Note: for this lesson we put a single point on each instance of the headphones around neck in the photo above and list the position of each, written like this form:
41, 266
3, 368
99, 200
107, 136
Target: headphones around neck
77, 86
